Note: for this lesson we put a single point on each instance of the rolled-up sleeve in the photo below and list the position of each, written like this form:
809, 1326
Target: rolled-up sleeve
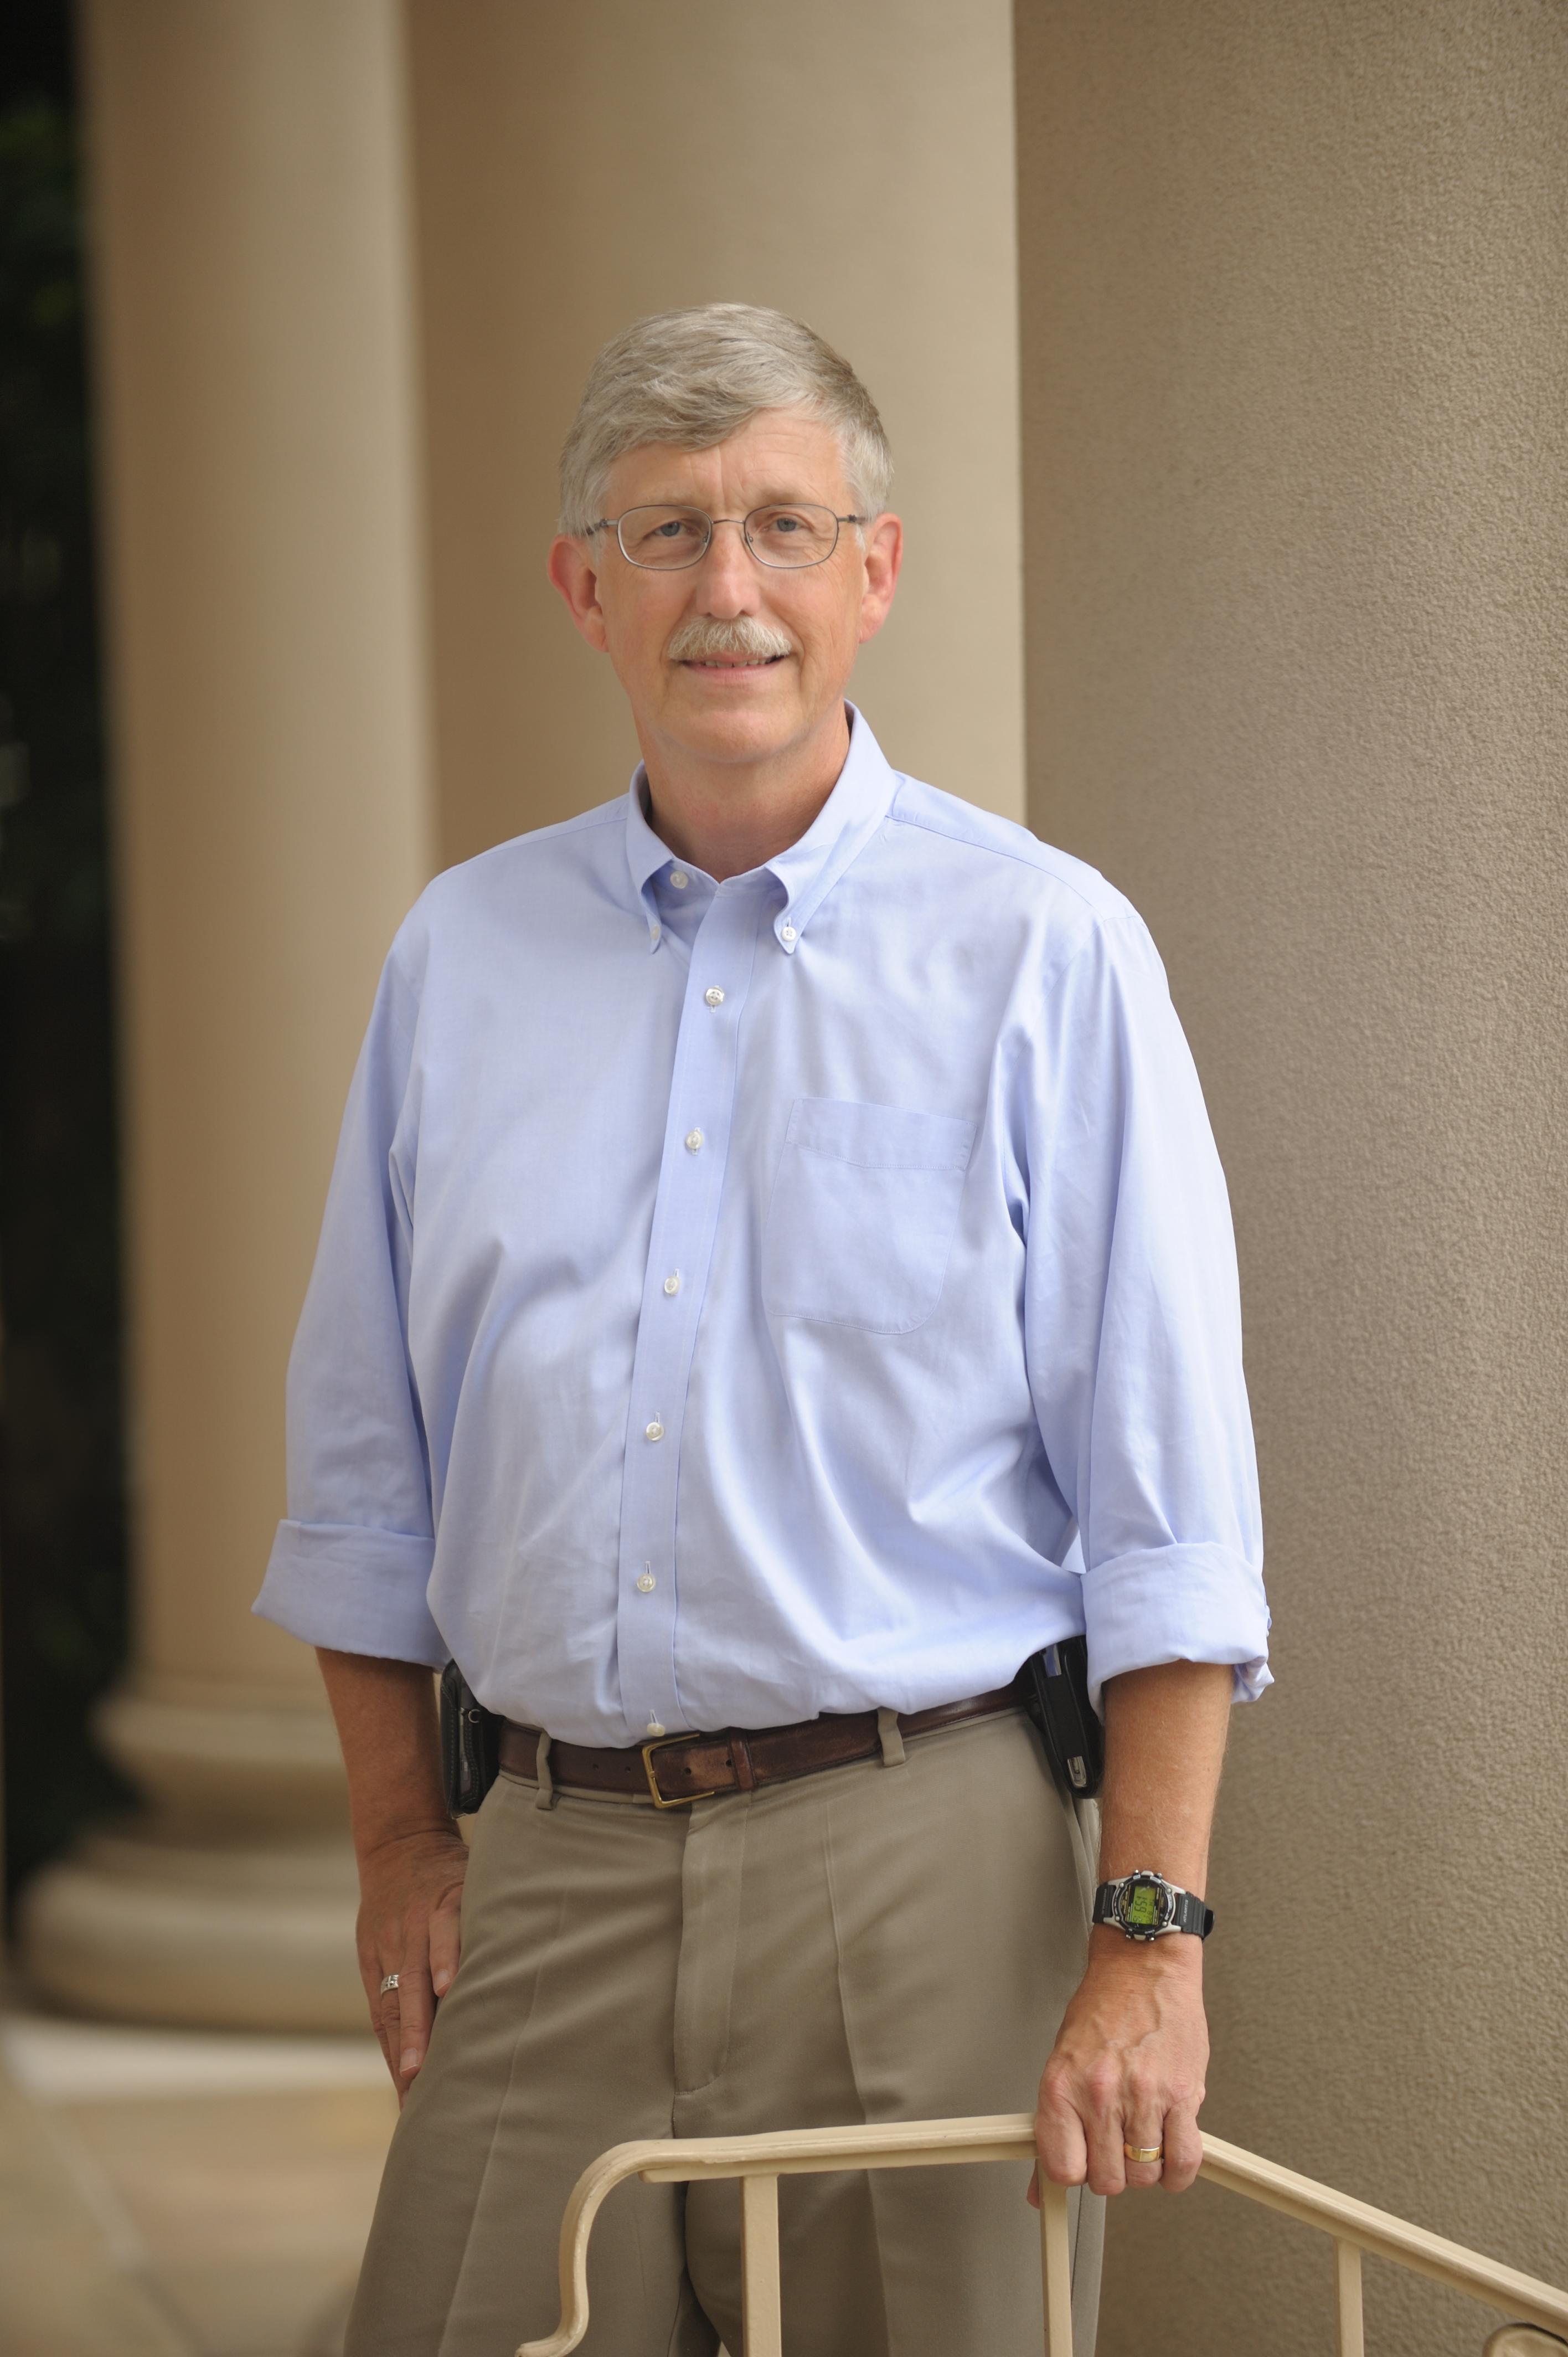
1134, 1327
350, 1568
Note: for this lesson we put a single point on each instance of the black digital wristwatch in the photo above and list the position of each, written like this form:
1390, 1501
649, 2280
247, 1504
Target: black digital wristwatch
1147, 1907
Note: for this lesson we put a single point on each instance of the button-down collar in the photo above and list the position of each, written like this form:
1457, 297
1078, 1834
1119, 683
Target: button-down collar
808, 869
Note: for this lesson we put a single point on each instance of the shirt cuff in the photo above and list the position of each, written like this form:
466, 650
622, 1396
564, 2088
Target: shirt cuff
1202, 1603
353, 1589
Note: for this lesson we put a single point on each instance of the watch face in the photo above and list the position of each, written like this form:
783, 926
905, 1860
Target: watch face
1145, 1904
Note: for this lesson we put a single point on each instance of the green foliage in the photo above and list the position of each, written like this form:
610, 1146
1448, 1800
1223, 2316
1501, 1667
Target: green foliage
62, 1545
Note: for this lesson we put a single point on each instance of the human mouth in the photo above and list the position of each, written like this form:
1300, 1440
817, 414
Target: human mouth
732, 663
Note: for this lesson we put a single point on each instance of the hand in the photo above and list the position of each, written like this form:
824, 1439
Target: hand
410, 1888
1128, 2067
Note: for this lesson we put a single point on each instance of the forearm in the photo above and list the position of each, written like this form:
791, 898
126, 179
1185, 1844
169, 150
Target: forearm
387, 1724
1126, 2072
1164, 1743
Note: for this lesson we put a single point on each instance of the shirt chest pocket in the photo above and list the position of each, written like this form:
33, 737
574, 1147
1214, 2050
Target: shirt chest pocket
863, 1214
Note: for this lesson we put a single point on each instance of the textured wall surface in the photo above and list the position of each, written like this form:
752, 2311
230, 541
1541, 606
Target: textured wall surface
579, 167
1293, 353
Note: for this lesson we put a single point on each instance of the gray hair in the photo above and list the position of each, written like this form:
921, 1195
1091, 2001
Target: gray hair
693, 378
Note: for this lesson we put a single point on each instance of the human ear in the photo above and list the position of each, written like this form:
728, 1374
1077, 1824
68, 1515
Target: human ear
884, 557
572, 569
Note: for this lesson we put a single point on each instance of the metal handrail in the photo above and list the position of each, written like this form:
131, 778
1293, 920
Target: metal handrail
760, 2161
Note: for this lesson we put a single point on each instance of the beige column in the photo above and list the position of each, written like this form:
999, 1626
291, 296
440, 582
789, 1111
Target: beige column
579, 167
1294, 357
255, 360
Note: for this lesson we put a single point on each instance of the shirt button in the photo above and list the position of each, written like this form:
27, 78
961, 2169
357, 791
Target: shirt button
714, 997
654, 1431
645, 1582
693, 1141
785, 933
672, 1284
679, 877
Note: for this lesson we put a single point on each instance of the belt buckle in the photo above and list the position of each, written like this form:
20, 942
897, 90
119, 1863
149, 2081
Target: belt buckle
681, 1800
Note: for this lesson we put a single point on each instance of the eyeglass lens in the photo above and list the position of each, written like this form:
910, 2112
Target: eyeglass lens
664, 539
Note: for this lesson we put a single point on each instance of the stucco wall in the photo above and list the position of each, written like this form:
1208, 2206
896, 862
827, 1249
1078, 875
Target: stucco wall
580, 167
1293, 375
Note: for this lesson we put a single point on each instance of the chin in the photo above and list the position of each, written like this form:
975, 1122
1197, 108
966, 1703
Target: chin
751, 727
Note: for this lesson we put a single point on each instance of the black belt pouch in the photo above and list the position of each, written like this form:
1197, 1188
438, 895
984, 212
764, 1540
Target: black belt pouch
1056, 1696
470, 1744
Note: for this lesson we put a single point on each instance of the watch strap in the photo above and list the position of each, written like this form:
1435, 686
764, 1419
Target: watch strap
1192, 1915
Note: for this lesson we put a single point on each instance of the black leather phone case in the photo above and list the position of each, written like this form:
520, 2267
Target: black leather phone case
470, 1744
1056, 1699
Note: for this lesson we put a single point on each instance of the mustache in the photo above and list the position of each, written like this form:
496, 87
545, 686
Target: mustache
704, 635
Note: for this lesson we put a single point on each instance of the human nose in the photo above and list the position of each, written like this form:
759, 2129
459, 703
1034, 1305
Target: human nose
729, 574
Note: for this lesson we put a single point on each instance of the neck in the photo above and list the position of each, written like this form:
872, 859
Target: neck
727, 817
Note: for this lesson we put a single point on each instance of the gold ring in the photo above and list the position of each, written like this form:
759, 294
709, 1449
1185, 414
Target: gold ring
1144, 2151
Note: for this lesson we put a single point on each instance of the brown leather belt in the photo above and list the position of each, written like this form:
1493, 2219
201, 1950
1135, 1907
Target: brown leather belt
676, 1769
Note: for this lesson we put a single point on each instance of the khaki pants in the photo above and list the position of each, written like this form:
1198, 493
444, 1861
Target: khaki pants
876, 1942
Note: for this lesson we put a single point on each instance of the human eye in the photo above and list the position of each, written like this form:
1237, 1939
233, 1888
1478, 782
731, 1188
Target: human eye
784, 523
662, 533
794, 533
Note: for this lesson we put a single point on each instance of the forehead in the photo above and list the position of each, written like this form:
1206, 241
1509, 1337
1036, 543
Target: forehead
777, 454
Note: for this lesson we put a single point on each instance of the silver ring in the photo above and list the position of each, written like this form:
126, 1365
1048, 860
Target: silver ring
389, 1981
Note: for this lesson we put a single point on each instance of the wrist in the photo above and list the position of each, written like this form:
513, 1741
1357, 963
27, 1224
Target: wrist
1178, 1956
381, 1840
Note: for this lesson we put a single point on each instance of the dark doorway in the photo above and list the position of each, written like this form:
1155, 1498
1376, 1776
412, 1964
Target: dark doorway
62, 1553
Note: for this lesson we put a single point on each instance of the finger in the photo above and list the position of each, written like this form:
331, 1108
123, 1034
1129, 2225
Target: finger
1142, 2130
370, 1974
1101, 2101
1184, 2151
445, 1941
417, 2013
1107, 2171
1059, 2133
415, 2009
386, 2011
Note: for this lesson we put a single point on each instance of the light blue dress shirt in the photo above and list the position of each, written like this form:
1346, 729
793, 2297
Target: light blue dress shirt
805, 1292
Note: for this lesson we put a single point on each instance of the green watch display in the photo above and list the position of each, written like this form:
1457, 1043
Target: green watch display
1145, 1906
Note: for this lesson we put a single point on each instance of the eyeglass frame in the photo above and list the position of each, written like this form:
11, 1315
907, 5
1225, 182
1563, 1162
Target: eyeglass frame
613, 523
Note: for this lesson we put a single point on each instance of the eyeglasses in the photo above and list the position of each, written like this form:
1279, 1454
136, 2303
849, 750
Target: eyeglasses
666, 540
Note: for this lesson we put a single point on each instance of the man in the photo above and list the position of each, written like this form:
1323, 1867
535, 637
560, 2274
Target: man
777, 1277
